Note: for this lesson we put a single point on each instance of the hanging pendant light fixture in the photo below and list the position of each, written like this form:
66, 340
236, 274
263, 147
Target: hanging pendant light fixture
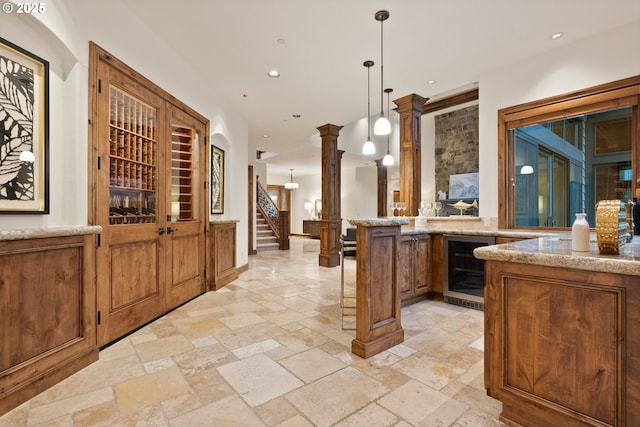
382, 126
387, 160
291, 185
368, 148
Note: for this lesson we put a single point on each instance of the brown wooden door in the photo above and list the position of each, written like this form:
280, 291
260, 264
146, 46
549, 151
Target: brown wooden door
184, 223
151, 253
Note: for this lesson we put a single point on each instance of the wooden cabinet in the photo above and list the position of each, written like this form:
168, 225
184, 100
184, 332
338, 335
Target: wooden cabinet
311, 227
221, 254
147, 163
47, 312
560, 345
414, 259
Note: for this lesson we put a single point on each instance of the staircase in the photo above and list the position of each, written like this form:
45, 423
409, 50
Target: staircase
266, 240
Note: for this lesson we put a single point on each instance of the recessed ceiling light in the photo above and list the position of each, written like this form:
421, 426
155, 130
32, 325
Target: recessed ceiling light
280, 41
243, 95
266, 136
296, 116
557, 35
273, 73
431, 82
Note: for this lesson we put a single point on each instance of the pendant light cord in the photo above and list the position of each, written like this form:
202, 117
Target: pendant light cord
368, 103
381, 68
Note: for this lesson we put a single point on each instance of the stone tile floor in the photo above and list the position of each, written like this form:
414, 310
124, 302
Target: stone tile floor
269, 350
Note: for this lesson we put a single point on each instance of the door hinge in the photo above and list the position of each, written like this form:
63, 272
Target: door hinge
99, 85
97, 240
205, 139
99, 163
99, 318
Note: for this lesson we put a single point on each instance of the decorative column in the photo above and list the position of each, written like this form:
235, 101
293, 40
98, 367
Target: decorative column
378, 309
331, 222
410, 111
382, 188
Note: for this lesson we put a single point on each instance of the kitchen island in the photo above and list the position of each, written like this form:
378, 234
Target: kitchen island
561, 347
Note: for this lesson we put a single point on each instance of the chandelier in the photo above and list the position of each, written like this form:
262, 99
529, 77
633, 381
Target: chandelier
291, 185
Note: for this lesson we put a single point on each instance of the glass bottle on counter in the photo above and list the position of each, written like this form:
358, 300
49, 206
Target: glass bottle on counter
580, 233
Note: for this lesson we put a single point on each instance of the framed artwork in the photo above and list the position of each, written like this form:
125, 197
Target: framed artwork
464, 186
217, 180
24, 131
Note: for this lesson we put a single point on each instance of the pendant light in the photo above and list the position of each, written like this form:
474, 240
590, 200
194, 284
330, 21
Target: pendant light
382, 126
291, 185
387, 160
368, 148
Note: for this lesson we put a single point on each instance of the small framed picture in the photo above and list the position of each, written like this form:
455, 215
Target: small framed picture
217, 180
24, 131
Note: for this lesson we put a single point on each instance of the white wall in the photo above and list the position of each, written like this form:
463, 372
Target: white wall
62, 36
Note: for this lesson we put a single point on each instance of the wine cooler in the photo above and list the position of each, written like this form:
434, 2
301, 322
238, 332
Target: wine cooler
464, 273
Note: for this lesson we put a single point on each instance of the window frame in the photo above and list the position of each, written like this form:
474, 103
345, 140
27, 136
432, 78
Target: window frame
617, 94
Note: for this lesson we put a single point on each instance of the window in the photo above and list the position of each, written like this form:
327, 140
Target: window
562, 155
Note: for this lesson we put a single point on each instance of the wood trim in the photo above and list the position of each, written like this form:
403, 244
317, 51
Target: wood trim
450, 101
571, 96
251, 250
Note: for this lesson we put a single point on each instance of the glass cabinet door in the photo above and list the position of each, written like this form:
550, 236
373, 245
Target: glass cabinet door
182, 170
132, 160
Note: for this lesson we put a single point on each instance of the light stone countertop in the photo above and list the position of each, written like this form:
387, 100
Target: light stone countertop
41, 233
377, 222
516, 234
556, 251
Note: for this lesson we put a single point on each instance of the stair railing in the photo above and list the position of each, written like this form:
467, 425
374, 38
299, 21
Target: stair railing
277, 220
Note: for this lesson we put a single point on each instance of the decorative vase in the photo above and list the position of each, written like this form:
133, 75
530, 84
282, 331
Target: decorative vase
580, 234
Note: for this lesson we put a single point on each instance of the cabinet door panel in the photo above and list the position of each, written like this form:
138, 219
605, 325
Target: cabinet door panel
422, 258
405, 276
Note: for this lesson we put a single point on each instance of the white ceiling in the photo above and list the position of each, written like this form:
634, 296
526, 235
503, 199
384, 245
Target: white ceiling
235, 43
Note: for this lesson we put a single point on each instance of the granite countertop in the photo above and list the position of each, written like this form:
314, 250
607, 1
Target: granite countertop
556, 251
41, 233
368, 222
517, 234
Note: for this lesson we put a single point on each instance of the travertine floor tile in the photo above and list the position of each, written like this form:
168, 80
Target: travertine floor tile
150, 389
259, 379
312, 364
332, 398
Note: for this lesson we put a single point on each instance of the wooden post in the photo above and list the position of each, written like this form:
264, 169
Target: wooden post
410, 110
378, 325
382, 188
331, 222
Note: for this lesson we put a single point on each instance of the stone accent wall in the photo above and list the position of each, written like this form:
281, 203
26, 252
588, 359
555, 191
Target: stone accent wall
456, 145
